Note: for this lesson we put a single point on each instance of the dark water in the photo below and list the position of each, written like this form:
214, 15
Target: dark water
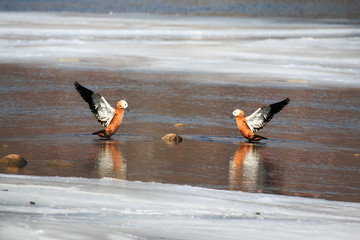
312, 149
260, 8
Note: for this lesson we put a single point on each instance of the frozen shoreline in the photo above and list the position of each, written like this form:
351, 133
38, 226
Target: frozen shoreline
320, 52
116, 209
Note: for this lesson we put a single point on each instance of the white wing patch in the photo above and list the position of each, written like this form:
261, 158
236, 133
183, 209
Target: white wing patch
104, 112
263, 115
257, 120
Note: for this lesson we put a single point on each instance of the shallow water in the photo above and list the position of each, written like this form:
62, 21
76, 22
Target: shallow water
190, 70
311, 149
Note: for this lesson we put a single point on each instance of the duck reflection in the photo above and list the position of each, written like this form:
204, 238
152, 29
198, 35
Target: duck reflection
246, 168
110, 161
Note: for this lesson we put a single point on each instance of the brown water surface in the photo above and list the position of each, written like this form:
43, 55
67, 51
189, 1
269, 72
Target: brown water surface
313, 147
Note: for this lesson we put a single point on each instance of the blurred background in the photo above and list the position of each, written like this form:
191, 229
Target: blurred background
262, 8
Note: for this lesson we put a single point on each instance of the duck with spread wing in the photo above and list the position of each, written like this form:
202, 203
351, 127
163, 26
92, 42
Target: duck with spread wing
108, 116
250, 125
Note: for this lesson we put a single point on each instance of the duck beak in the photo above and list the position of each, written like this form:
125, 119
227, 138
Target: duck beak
232, 116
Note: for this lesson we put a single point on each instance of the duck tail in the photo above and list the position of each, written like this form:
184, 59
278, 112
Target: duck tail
101, 133
256, 138
97, 132
261, 137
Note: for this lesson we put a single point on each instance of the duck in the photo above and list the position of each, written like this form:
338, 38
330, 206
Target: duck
111, 118
250, 125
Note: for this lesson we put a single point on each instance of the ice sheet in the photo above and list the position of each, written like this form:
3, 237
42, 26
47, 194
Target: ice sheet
307, 51
68, 208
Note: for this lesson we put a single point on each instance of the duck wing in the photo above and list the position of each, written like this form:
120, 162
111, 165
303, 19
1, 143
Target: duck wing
97, 104
263, 115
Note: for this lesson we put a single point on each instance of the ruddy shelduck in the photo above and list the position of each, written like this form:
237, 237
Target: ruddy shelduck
249, 125
108, 116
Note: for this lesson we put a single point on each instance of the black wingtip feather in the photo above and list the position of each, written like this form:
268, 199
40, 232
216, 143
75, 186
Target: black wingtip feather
86, 94
277, 107
81, 89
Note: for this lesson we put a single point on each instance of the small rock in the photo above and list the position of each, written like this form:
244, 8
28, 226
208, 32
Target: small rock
180, 125
172, 138
357, 154
4, 145
32, 203
13, 160
257, 213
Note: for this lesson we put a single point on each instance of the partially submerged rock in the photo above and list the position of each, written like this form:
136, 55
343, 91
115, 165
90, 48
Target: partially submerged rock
172, 138
13, 160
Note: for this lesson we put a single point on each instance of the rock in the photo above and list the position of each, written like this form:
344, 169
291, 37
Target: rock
4, 145
13, 160
180, 125
172, 138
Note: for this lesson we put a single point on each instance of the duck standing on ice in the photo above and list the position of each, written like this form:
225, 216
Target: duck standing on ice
249, 125
108, 116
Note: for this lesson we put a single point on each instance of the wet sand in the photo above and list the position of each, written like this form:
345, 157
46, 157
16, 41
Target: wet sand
313, 147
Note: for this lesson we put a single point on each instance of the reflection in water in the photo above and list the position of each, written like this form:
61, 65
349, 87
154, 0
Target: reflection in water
10, 169
246, 168
110, 161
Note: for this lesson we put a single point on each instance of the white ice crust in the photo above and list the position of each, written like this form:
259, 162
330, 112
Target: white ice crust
33, 207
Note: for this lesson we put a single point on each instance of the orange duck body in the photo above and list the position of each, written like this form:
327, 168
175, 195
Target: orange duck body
246, 131
114, 124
